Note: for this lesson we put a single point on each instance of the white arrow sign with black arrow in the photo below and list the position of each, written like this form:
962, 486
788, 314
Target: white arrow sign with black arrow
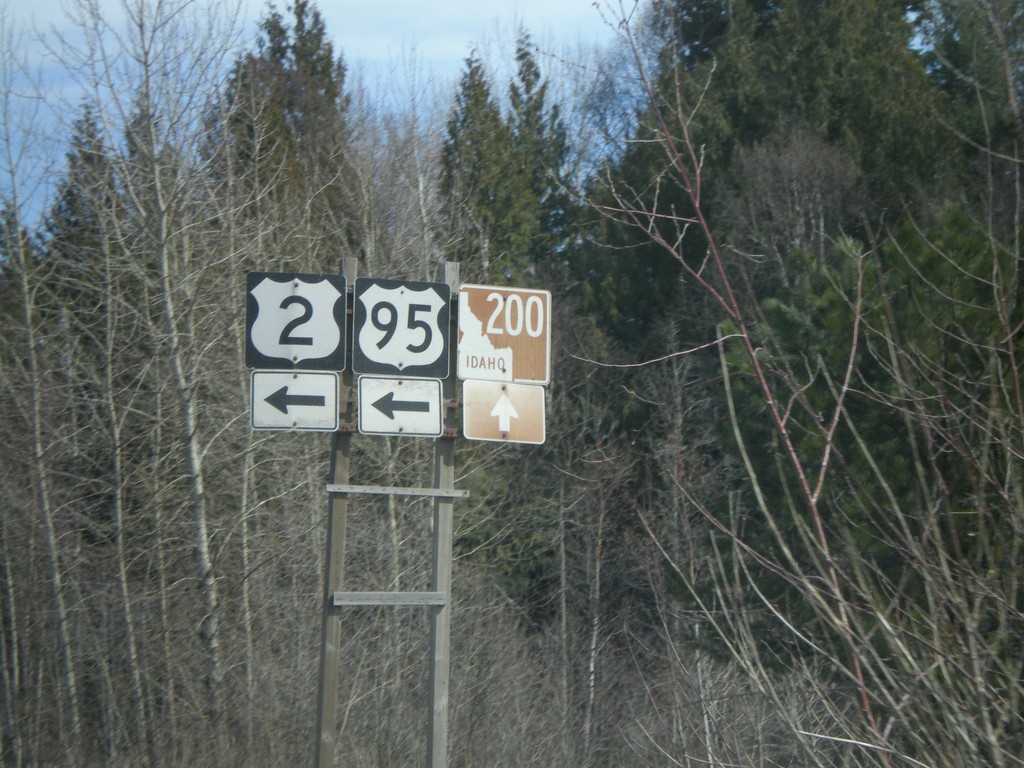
390, 406
295, 400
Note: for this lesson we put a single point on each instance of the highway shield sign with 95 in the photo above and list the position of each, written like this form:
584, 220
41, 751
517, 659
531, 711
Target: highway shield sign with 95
401, 328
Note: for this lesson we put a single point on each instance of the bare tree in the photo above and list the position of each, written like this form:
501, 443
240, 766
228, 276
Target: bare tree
909, 648
26, 365
149, 83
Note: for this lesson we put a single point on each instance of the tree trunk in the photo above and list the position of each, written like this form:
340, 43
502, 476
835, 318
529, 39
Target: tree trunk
140, 733
41, 479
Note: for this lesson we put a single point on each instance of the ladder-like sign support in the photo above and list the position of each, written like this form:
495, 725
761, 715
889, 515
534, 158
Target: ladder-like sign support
437, 599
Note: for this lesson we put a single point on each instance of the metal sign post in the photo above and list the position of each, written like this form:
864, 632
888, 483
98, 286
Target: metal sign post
441, 578
438, 598
334, 573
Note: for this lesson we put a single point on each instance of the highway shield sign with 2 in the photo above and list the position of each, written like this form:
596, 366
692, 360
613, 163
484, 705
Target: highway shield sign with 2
295, 321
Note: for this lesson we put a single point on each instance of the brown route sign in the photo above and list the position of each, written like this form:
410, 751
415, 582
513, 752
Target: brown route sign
504, 334
508, 413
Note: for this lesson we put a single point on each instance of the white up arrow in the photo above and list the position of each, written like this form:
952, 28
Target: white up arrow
505, 413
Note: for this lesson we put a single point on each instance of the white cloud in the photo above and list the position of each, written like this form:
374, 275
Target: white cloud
397, 49
375, 32
442, 33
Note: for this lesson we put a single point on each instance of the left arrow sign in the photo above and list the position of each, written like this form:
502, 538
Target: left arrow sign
281, 400
388, 405
295, 400
407, 407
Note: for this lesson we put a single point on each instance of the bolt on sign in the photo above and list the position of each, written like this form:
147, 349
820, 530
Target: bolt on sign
504, 334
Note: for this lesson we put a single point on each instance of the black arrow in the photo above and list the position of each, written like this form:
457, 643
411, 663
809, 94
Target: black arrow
388, 405
281, 400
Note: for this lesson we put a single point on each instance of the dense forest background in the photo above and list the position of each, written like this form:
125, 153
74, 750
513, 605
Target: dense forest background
779, 516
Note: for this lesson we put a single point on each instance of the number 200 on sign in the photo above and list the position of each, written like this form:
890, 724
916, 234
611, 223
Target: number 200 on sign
512, 315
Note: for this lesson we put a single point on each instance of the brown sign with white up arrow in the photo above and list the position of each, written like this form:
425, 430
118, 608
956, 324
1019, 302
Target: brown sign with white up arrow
504, 412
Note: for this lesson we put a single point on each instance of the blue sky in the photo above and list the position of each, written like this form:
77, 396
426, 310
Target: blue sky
376, 35
379, 39
443, 31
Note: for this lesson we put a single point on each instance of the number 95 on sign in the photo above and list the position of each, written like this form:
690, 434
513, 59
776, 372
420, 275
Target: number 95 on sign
401, 327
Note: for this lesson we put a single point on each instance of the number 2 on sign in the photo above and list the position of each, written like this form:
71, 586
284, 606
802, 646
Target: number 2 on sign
517, 315
307, 315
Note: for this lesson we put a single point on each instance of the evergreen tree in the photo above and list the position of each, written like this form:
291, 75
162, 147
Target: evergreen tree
73, 224
488, 202
975, 56
539, 140
707, 83
873, 421
846, 71
501, 176
511, 224
77, 242
286, 129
